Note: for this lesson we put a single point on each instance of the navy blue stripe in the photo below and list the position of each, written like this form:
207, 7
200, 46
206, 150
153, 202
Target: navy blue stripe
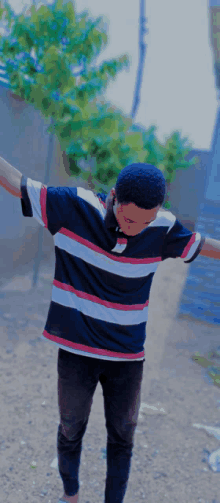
25, 201
71, 325
61, 208
176, 241
149, 243
94, 281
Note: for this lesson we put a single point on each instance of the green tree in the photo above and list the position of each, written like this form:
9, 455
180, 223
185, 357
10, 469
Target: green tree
50, 55
153, 148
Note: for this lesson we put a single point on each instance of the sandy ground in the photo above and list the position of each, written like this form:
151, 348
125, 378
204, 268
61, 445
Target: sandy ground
170, 455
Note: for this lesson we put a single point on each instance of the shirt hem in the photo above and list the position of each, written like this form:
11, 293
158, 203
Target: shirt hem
91, 355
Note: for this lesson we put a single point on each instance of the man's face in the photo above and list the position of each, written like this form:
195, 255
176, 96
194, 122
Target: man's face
131, 219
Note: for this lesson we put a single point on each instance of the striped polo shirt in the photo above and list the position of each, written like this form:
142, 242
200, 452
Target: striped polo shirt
102, 280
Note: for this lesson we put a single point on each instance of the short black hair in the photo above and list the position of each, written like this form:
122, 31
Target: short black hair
141, 184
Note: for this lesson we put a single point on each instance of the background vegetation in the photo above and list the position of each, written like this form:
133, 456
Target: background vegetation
51, 57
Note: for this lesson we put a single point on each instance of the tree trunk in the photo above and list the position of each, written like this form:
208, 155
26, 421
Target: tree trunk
142, 54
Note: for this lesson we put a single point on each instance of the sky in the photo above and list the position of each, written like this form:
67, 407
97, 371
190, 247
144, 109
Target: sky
178, 89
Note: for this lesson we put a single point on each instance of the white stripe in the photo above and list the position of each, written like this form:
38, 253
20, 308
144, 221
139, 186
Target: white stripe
119, 248
92, 199
92, 355
98, 311
164, 219
33, 189
101, 261
193, 247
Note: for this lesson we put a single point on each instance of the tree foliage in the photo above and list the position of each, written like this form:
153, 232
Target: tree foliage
51, 55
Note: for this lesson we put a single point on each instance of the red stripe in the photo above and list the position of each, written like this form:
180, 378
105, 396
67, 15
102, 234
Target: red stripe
190, 243
127, 260
97, 300
102, 202
88, 349
43, 199
122, 241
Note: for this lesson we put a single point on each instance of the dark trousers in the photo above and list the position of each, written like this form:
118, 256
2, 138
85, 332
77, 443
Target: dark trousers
78, 377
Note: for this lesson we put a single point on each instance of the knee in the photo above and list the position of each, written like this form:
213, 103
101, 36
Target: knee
121, 433
72, 431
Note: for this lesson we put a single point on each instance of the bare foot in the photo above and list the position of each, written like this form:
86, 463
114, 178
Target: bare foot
70, 499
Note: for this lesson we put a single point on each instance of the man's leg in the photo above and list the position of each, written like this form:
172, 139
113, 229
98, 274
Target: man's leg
77, 381
121, 383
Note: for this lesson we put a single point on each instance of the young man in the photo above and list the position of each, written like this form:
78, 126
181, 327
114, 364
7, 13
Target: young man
107, 251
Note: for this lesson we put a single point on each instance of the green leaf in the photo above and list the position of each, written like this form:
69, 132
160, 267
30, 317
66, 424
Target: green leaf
69, 10
167, 205
58, 6
2, 11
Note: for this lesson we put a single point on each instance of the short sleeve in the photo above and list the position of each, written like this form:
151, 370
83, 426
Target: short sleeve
50, 206
182, 243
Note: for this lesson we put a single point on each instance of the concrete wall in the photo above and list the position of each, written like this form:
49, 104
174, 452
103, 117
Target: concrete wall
24, 144
187, 192
212, 192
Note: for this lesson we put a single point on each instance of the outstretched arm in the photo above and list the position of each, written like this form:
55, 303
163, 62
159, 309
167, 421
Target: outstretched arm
211, 248
10, 178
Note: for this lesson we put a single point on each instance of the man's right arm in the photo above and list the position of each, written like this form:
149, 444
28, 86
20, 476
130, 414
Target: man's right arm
10, 178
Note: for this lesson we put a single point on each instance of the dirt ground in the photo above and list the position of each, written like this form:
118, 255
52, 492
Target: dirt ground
169, 461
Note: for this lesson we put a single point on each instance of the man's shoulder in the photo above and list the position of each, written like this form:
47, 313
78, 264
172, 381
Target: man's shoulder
165, 218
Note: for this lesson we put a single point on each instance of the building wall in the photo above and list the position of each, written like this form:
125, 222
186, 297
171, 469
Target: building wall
200, 296
24, 144
187, 192
212, 192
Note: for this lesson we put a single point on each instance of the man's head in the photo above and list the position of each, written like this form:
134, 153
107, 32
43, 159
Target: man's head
138, 195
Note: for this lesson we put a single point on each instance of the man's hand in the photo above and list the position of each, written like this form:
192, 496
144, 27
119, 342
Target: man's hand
211, 248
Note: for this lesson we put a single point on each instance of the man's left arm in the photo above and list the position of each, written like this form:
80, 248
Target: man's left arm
211, 248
